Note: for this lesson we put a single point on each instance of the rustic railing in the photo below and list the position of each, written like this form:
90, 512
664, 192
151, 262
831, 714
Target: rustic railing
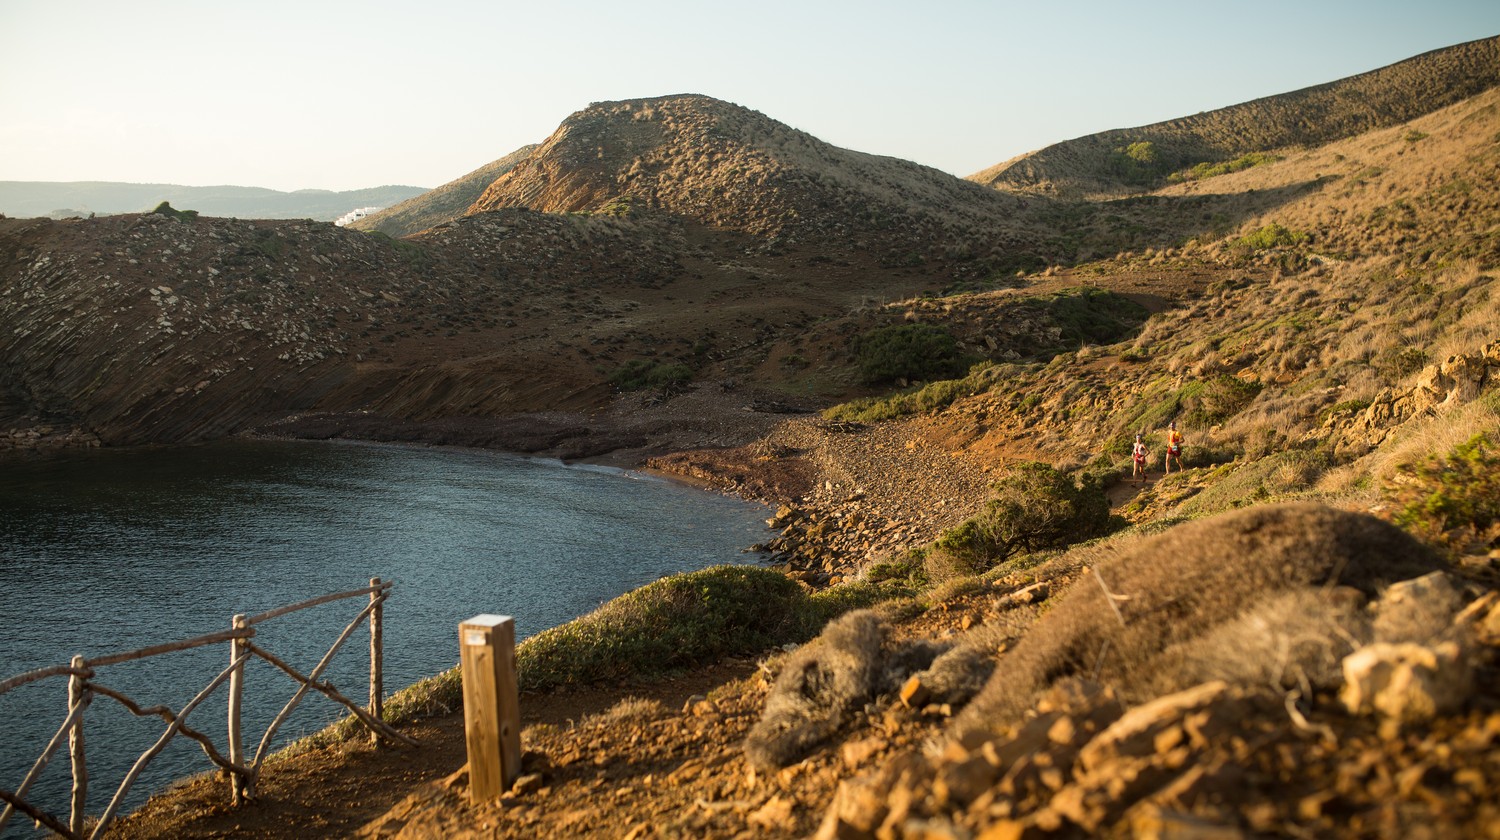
243, 775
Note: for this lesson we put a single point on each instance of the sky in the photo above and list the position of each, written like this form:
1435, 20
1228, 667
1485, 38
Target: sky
339, 95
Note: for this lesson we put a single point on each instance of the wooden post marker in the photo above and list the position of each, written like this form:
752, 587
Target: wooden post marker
78, 692
238, 786
492, 711
377, 658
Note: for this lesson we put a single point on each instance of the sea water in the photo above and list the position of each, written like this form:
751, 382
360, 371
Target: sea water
108, 551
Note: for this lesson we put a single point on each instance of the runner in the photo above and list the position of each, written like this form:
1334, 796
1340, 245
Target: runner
1138, 460
1174, 449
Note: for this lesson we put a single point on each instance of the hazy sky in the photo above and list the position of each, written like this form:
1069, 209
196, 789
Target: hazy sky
341, 95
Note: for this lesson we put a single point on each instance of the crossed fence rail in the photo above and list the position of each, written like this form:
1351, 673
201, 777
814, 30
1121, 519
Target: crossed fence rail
243, 774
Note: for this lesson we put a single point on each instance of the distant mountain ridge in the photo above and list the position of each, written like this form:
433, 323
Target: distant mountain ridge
58, 199
1092, 165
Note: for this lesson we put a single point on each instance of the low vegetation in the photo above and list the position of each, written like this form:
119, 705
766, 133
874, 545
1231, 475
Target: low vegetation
907, 353
1212, 170
165, 209
1452, 500
1034, 507
680, 621
638, 374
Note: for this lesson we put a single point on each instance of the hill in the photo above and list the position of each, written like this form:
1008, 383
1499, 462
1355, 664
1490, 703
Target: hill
441, 204
1127, 161
729, 168
53, 199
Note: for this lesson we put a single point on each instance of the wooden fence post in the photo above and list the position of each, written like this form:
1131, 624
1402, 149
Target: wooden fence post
237, 785
377, 657
78, 693
492, 713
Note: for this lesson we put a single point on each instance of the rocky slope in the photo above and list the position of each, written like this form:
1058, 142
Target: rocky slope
440, 204
731, 168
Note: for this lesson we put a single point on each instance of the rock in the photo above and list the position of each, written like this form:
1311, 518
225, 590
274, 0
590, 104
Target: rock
858, 808
1136, 731
529, 783
1416, 610
775, 815
856, 753
1407, 682
1153, 822
913, 694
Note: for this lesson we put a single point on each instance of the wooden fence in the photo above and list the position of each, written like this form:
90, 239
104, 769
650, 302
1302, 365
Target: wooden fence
242, 773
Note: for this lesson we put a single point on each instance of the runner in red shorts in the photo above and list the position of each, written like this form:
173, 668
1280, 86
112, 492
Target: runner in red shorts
1138, 459
1174, 449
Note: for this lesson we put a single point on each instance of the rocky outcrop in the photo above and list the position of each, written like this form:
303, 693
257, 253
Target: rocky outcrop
1455, 381
1216, 759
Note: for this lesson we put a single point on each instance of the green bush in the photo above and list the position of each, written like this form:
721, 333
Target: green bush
1453, 501
165, 209
910, 352
1212, 401
1281, 476
1035, 507
1210, 170
929, 398
1272, 235
1138, 163
1092, 316
644, 373
673, 623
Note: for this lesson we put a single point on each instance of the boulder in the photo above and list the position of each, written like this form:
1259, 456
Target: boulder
1406, 682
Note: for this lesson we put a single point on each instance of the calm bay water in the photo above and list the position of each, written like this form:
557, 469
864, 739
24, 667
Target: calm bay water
110, 551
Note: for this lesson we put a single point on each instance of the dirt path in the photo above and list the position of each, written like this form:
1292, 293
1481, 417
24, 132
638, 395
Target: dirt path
332, 792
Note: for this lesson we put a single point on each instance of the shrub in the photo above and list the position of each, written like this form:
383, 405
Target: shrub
932, 397
907, 352
647, 634
1211, 170
1137, 163
1208, 403
165, 209
1035, 507
1275, 477
1272, 235
673, 623
1093, 316
1453, 500
644, 373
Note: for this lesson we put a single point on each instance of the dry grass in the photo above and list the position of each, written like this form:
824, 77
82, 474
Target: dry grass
1389, 96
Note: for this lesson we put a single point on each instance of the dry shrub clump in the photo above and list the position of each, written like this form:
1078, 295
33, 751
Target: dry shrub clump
855, 660
1183, 584
1294, 639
